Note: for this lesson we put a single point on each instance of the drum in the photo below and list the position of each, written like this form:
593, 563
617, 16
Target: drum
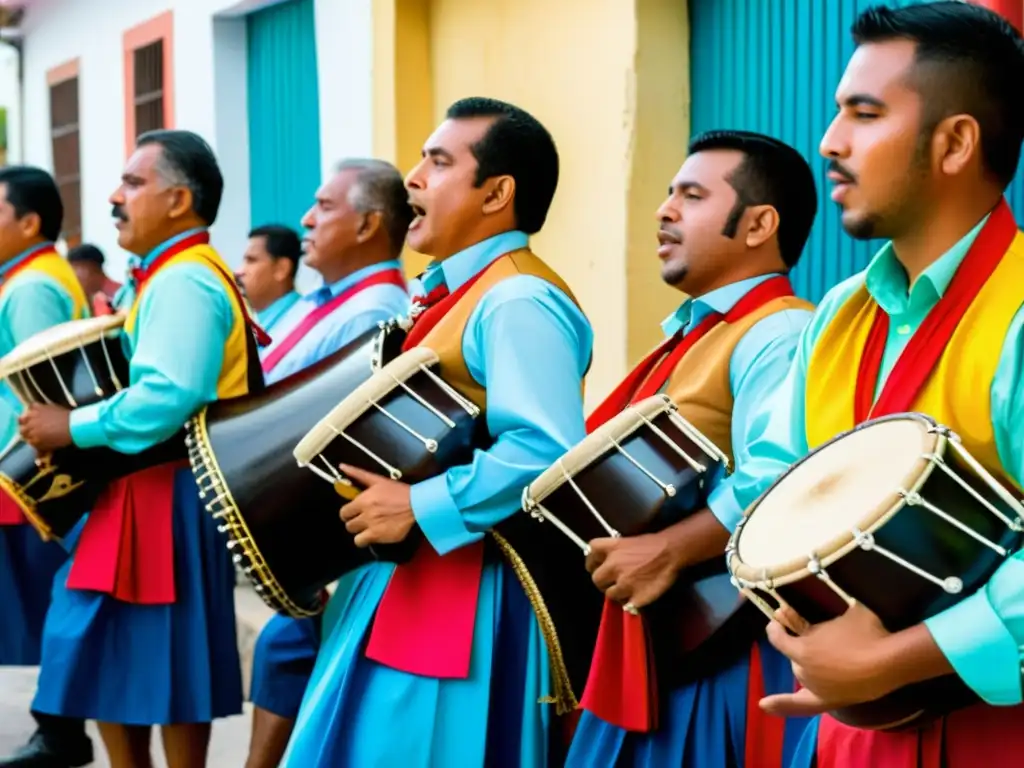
639, 472
73, 364
895, 514
281, 522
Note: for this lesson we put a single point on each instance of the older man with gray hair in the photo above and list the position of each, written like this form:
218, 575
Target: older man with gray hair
356, 231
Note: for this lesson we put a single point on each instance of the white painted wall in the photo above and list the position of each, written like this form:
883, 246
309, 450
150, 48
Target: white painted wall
210, 93
10, 99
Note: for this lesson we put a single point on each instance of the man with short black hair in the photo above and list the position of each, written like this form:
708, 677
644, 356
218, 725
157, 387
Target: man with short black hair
87, 260
142, 627
268, 270
735, 222
926, 139
414, 673
37, 291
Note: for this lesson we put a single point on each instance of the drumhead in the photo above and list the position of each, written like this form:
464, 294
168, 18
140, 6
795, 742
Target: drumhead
57, 340
597, 444
851, 482
374, 389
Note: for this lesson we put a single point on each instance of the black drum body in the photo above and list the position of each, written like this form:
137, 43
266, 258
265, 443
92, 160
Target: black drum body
281, 521
906, 567
56, 490
640, 480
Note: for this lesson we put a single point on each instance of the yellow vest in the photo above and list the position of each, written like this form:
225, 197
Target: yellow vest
234, 372
957, 393
699, 386
57, 268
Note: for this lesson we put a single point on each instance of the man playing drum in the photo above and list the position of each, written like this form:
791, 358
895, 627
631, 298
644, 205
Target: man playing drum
356, 230
926, 140
737, 217
142, 630
38, 289
440, 661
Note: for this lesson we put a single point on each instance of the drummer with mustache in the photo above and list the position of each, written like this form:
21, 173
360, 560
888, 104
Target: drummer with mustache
355, 234
441, 661
735, 222
142, 627
926, 140
38, 290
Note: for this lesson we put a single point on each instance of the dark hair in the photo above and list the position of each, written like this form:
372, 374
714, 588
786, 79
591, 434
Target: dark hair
968, 60
380, 187
282, 242
86, 252
516, 145
33, 190
771, 173
188, 161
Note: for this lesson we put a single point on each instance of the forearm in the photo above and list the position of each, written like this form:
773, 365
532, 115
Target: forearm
913, 656
696, 539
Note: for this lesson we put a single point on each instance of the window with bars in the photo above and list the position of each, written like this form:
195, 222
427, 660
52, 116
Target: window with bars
149, 87
64, 138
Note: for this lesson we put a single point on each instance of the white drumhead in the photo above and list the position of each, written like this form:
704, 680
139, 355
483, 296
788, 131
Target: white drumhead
853, 482
597, 444
57, 340
375, 388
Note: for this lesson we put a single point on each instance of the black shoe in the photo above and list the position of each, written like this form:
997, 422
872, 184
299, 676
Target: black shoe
46, 752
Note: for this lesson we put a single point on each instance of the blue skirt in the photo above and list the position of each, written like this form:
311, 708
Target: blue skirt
360, 713
703, 725
27, 567
283, 662
116, 662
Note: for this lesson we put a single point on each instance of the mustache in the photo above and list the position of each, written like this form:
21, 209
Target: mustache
118, 213
669, 230
835, 167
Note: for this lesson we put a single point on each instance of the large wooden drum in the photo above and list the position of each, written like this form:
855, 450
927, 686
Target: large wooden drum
895, 514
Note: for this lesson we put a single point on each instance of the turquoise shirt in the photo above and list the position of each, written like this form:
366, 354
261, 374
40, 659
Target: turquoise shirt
982, 635
32, 302
176, 350
758, 365
269, 316
529, 345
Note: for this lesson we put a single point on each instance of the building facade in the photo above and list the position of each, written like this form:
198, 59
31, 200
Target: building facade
282, 89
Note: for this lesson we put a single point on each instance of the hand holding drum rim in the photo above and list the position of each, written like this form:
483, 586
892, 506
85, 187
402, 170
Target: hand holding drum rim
633, 571
46, 428
380, 514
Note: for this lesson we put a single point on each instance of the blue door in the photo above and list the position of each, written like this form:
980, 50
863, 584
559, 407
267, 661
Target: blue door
284, 113
772, 66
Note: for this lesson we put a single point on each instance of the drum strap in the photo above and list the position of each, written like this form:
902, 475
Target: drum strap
922, 353
310, 321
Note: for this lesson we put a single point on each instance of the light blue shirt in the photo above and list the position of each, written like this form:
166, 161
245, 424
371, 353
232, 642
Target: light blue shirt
529, 346
355, 316
758, 365
176, 351
268, 317
982, 635
30, 303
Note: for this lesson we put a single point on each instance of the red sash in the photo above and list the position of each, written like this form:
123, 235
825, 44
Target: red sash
622, 686
385, 277
981, 736
126, 549
425, 620
10, 511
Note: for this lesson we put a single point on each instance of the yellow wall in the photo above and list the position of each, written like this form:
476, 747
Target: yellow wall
610, 80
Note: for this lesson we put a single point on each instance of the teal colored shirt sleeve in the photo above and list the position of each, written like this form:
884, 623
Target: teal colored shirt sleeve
758, 366
33, 306
184, 320
529, 346
983, 635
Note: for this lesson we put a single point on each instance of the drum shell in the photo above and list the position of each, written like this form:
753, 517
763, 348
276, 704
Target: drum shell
902, 598
291, 514
90, 373
702, 603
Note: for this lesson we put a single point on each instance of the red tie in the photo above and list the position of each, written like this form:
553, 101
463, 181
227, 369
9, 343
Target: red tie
432, 297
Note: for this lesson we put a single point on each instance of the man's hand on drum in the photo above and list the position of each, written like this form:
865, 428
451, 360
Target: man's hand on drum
46, 427
849, 660
635, 570
382, 514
